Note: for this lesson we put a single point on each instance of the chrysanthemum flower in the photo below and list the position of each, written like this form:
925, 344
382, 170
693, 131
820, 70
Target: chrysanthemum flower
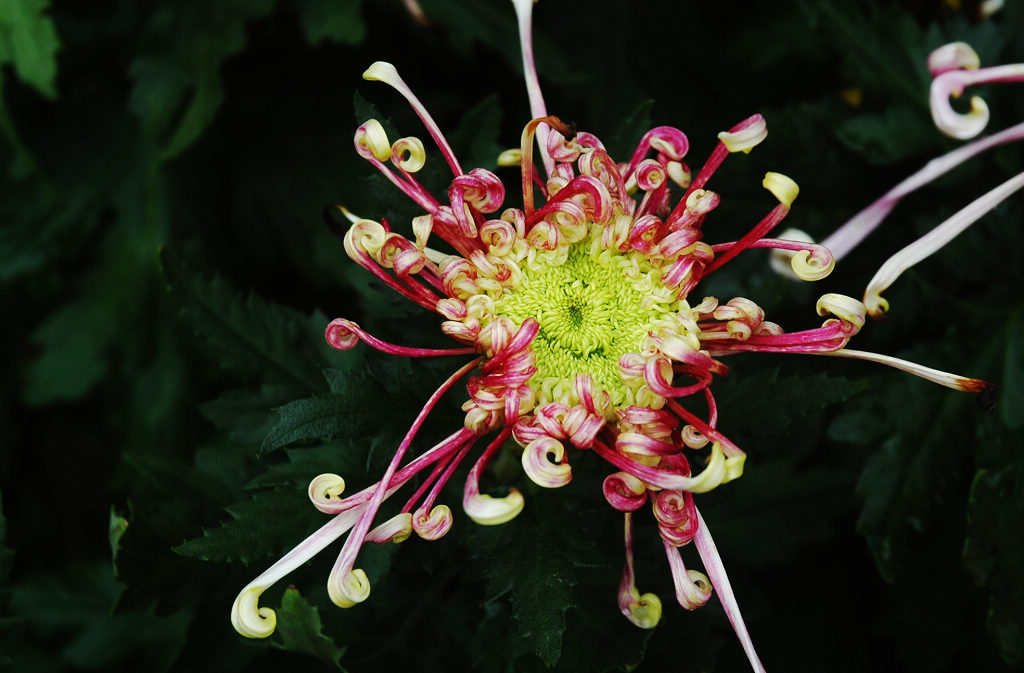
577, 308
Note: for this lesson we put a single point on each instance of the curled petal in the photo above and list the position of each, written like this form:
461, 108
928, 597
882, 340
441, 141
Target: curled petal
845, 308
679, 173
746, 135
372, 141
409, 154
325, 490
348, 589
693, 588
490, 511
396, 529
510, 157
694, 438
782, 187
248, 618
669, 141
953, 56
364, 236
650, 175
624, 492
948, 120
638, 444
433, 525
644, 611
545, 463
382, 71
813, 264
933, 241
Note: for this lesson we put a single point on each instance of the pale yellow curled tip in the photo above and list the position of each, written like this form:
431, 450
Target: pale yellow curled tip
679, 174
382, 71
734, 467
489, 511
781, 261
346, 591
371, 136
843, 307
694, 592
875, 303
953, 56
396, 529
713, 474
782, 187
645, 611
409, 154
807, 267
511, 157
248, 618
745, 139
326, 487
434, 524
544, 463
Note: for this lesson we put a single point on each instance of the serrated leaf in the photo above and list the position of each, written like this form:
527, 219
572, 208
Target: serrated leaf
898, 133
346, 414
247, 414
28, 39
249, 336
300, 629
911, 471
307, 462
994, 552
341, 21
262, 526
770, 401
533, 561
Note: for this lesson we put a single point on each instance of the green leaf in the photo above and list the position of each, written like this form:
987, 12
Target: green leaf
475, 142
249, 336
325, 417
898, 133
117, 527
338, 20
791, 397
79, 606
247, 414
994, 552
533, 561
300, 629
263, 526
913, 470
70, 366
28, 39
178, 87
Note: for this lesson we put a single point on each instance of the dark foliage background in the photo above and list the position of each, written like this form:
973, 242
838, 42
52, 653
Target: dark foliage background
166, 277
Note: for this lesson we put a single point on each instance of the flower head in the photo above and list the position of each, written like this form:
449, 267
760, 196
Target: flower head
577, 308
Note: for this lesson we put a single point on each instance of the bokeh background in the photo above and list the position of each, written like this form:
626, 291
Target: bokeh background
166, 274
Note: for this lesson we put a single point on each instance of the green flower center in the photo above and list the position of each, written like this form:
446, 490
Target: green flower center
590, 314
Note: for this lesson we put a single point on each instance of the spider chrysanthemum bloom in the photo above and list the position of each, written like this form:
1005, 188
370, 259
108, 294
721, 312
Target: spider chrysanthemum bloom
577, 305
